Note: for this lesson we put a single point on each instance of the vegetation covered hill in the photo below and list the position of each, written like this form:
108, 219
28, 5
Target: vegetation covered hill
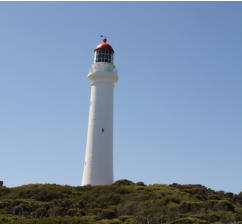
122, 202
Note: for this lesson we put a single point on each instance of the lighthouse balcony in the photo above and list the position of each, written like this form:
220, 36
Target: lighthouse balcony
103, 70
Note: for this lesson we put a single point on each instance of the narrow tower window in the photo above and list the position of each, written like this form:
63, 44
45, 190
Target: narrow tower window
102, 129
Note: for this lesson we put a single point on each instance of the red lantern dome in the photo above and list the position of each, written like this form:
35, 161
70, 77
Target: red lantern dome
104, 45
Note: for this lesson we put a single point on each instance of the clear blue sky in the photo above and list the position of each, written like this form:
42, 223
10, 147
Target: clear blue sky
178, 103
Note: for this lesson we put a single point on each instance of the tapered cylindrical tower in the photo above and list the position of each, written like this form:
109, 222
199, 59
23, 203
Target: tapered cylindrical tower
98, 166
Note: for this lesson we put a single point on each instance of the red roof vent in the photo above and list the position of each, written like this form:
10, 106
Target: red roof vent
104, 45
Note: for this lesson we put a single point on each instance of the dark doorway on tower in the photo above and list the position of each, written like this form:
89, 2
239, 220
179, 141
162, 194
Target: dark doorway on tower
102, 129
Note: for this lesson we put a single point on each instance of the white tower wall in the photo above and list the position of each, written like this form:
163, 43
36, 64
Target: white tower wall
98, 166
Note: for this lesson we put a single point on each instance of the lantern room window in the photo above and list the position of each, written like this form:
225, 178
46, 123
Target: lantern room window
103, 55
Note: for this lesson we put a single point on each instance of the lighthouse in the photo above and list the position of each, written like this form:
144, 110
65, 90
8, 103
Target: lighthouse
98, 165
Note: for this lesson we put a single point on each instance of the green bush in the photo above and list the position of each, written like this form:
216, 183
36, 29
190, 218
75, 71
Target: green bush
122, 202
108, 214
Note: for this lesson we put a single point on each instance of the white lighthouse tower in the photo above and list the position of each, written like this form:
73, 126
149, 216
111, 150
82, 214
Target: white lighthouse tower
98, 166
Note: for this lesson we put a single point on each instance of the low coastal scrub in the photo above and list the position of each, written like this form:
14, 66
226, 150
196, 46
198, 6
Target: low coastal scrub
122, 202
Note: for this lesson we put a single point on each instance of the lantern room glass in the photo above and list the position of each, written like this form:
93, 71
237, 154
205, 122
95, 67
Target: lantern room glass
103, 55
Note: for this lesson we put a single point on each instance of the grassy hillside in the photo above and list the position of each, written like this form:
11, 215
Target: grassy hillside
122, 202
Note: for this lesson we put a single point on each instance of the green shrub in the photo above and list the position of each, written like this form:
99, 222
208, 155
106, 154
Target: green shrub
122, 202
108, 214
